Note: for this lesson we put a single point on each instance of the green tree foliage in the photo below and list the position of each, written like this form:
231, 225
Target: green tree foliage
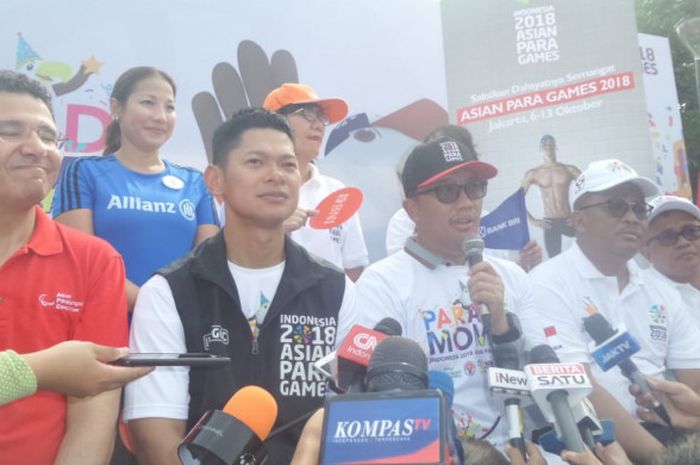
659, 17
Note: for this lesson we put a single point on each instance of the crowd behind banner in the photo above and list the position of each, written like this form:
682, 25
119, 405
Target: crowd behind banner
234, 262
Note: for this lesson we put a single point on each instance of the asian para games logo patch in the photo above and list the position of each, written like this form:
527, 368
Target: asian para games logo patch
658, 330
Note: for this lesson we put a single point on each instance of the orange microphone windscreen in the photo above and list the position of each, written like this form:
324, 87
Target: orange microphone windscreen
255, 408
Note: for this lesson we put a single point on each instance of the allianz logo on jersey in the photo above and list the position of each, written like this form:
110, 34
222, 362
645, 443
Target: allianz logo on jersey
131, 202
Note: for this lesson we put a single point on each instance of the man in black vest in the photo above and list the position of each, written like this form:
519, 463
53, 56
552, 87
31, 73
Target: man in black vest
248, 293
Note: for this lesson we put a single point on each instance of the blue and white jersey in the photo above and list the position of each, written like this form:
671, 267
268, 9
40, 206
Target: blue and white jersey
151, 219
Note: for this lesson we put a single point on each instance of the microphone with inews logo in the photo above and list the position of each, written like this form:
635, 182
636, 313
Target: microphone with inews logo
235, 435
508, 384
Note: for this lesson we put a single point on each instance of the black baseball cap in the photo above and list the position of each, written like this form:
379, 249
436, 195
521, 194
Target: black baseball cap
428, 163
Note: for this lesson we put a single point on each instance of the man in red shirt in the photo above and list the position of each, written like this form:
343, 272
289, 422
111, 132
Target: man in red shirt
56, 284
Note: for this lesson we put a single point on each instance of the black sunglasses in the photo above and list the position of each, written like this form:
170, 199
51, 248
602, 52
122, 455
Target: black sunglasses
619, 208
449, 193
669, 237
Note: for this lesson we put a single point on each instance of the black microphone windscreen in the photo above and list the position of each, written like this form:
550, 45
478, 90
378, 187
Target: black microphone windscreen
473, 248
506, 356
398, 363
389, 326
543, 354
598, 328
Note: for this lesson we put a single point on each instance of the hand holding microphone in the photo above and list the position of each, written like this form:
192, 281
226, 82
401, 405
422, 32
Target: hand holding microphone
486, 288
615, 348
683, 403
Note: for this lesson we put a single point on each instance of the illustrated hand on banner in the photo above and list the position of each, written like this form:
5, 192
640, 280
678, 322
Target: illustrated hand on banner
506, 226
237, 89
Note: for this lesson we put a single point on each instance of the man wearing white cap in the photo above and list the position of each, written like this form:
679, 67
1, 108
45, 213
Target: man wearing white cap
673, 248
308, 115
597, 275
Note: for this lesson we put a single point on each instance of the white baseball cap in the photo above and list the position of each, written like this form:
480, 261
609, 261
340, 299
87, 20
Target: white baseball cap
602, 175
665, 203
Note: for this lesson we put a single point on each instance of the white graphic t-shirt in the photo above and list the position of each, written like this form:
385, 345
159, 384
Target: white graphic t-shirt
256, 288
434, 309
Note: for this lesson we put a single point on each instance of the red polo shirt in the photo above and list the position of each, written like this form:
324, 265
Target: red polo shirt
61, 285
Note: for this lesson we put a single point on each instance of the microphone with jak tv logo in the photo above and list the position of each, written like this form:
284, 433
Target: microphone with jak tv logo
235, 435
557, 388
615, 348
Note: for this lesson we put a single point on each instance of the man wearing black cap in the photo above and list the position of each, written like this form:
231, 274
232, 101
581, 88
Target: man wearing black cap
430, 289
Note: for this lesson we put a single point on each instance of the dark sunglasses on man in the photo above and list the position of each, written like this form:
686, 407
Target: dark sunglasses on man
449, 193
669, 237
619, 208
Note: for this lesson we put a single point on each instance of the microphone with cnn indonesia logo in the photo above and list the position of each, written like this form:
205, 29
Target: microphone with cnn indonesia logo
349, 362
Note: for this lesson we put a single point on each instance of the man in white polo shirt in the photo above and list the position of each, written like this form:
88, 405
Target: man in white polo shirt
429, 288
673, 248
596, 275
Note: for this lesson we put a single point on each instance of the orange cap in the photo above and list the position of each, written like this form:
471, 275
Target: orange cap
297, 94
255, 408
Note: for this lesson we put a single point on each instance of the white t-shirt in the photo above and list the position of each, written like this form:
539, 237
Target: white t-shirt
689, 294
434, 309
569, 288
343, 245
256, 287
156, 327
401, 227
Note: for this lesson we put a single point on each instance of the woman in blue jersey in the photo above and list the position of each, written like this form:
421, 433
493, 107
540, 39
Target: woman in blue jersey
152, 211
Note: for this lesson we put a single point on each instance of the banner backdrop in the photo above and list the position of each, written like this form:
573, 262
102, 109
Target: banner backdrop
664, 115
545, 87
380, 56
531, 79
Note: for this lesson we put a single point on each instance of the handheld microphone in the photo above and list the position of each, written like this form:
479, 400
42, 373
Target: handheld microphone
505, 379
443, 382
348, 364
615, 348
474, 250
235, 435
556, 387
397, 364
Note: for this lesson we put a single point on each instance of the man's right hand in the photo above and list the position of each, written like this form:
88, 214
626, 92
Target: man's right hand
298, 219
681, 402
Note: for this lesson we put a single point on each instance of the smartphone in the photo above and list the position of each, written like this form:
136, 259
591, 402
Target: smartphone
158, 360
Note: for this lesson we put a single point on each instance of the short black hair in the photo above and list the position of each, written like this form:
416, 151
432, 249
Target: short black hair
228, 135
13, 82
